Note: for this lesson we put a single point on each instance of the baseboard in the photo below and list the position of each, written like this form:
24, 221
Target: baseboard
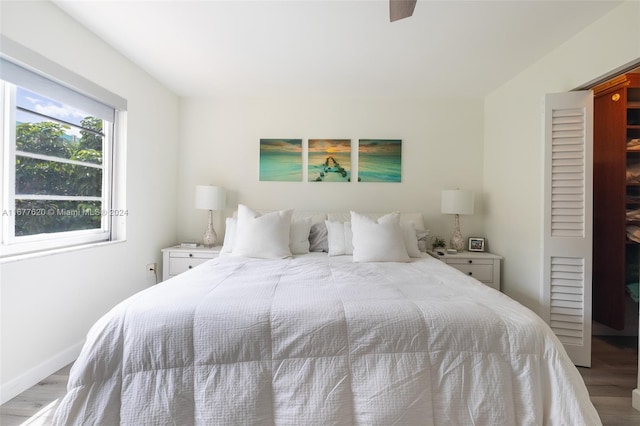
15, 387
635, 399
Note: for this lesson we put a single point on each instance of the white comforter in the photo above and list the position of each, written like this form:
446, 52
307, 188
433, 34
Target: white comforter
323, 341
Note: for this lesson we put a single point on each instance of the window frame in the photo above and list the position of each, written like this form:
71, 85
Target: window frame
113, 211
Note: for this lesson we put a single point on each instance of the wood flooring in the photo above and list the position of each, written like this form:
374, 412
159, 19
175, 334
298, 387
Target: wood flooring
35, 406
610, 380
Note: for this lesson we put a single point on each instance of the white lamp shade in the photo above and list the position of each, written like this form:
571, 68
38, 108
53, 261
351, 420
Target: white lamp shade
210, 197
457, 201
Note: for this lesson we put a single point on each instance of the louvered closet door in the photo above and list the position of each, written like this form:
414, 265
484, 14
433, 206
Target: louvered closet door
568, 200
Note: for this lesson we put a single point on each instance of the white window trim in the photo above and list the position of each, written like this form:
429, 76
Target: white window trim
114, 161
37, 63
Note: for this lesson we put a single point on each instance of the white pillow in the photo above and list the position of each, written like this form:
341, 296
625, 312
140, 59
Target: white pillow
378, 241
339, 238
263, 236
410, 236
299, 236
416, 218
229, 235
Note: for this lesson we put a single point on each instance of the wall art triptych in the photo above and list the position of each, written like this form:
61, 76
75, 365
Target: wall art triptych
329, 160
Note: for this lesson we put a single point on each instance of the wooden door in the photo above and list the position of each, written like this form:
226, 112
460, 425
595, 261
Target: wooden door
609, 193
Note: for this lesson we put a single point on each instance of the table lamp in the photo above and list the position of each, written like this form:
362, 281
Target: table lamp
457, 202
209, 197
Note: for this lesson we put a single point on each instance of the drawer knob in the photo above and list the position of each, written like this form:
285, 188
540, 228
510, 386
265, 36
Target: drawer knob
470, 273
470, 261
190, 254
190, 266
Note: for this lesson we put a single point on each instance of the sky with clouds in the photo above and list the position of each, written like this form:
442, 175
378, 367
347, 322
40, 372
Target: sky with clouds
42, 105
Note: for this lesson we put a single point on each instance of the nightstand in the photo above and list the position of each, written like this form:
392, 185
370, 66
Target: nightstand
176, 259
483, 266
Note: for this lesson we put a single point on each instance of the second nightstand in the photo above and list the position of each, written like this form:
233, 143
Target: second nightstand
176, 259
483, 266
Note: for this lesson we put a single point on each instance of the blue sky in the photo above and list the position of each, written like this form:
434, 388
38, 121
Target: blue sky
38, 103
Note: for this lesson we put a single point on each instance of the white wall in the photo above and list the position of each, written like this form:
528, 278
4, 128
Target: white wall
513, 160
441, 149
48, 303
513, 156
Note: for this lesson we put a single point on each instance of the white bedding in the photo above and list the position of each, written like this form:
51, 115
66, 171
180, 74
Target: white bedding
318, 340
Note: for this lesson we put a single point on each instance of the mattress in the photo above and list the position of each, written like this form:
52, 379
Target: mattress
319, 340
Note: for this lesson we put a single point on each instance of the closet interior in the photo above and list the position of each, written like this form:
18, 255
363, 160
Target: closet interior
616, 201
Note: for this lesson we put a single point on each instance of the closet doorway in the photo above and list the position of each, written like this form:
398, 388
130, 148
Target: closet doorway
616, 204
574, 181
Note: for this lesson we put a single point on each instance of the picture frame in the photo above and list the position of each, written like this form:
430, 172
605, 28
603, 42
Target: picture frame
476, 244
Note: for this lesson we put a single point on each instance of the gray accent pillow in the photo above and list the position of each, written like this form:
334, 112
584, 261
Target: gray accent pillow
318, 237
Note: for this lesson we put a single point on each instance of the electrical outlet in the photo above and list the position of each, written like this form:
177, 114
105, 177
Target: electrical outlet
152, 268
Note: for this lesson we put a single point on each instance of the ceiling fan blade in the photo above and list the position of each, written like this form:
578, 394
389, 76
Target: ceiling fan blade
399, 9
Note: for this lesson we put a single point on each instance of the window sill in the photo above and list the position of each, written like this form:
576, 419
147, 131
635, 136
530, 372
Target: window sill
44, 253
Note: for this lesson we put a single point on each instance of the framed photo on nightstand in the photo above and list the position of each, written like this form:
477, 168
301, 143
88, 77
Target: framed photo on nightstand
476, 244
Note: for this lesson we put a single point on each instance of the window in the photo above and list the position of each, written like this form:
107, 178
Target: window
58, 163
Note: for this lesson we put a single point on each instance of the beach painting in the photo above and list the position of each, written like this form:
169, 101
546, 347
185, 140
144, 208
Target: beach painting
329, 160
281, 160
380, 160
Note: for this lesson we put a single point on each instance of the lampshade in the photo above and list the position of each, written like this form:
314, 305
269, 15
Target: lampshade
457, 201
210, 197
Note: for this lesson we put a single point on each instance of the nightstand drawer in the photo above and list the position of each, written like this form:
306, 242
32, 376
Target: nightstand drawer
178, 265
193, 255
481, 272
176, 259
483, 266
467, 261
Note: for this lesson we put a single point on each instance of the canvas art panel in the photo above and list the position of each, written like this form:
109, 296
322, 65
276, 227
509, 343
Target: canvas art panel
380, 160
281, 160
329, 160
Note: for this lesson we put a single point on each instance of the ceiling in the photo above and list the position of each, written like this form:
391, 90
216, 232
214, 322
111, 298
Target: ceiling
210, 48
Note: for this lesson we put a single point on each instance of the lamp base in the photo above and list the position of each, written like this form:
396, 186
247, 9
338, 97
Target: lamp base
456, 239
209, 239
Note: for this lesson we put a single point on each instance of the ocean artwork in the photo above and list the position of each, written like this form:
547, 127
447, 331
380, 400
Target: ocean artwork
281, 160
380, 160
329, 160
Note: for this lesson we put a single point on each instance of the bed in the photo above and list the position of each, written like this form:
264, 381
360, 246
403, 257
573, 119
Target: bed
318, 339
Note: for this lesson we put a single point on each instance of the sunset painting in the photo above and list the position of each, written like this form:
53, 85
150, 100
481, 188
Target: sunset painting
281, 160
380, 160
329, 160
